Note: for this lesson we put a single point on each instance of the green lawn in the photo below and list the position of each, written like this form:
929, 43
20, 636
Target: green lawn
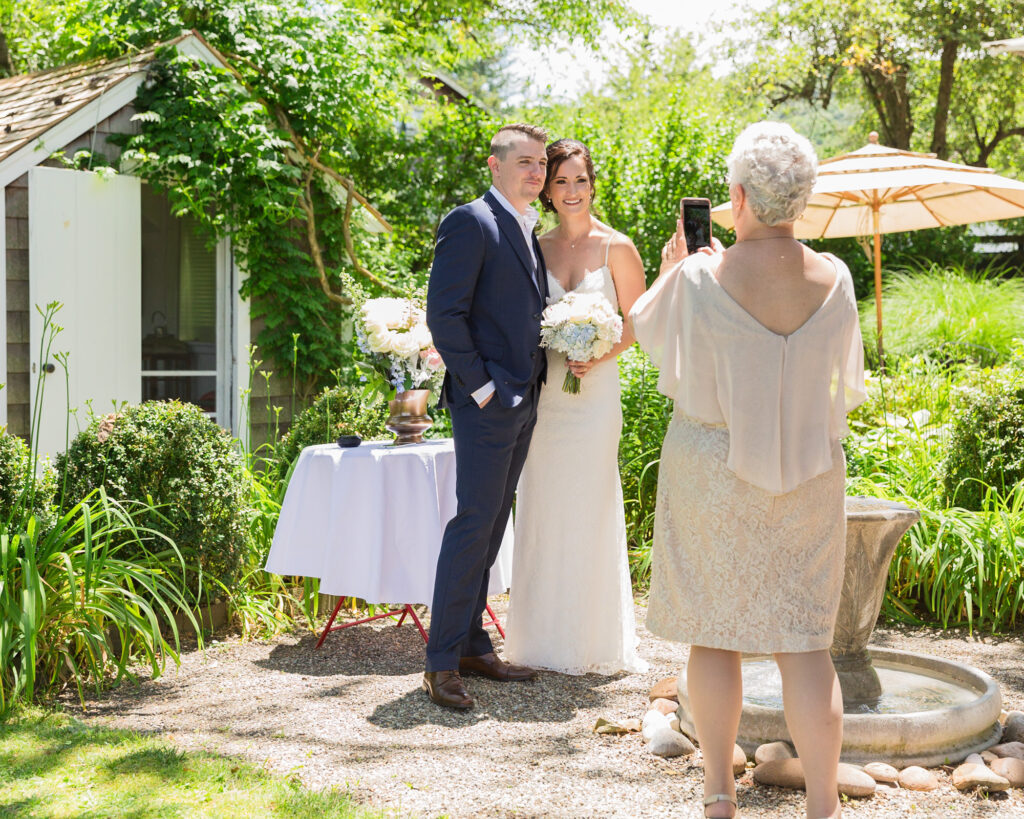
53, 765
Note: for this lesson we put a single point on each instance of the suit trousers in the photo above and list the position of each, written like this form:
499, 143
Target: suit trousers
491, 444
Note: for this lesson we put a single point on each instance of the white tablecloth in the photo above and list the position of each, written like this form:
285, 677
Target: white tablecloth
368, 521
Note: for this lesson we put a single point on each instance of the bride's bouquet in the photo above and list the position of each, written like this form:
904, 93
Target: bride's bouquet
396, 345
584, 326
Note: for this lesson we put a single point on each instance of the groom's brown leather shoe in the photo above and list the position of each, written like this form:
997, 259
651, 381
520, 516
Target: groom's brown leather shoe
491, 665
446, 688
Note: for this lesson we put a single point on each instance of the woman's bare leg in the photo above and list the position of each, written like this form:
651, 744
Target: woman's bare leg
715, 687
814, 716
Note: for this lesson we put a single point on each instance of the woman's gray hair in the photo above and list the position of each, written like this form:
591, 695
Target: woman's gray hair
776, 168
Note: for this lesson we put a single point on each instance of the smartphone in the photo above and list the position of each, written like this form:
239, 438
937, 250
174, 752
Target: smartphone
696, 213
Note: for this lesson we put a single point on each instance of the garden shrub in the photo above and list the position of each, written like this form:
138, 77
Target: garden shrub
645, 416
336, 411
177, 472
986, 447
19, 499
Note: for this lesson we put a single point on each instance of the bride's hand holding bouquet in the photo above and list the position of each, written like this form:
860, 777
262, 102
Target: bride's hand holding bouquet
584, 326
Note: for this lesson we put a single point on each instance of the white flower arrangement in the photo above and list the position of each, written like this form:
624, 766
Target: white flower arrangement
393, 337
584, 326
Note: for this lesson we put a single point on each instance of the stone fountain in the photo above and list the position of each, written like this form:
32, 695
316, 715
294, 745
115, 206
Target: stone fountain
899, 707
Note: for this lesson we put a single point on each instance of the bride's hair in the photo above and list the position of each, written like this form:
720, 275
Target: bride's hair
558, 152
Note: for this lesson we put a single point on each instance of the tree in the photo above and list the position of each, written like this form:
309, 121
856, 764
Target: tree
274, 151
656, 133
915, 66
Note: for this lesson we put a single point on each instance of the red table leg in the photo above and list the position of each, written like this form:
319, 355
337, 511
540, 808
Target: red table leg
405, 611
494, 621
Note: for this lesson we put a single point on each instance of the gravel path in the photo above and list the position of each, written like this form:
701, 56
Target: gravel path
352, 715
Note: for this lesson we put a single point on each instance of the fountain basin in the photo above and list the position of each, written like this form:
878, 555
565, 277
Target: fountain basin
931, 711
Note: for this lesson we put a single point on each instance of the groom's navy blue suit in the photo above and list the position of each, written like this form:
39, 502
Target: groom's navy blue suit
484, 306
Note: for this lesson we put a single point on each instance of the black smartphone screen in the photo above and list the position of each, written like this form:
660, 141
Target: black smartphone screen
696, 223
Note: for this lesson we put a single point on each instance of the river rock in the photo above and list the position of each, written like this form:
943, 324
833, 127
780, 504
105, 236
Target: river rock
1014, 749
974, 776
854, 782
739, 760
782, 773
789, 773
1011, 769
916, 778
665, 689
673, 722
1013, 730
668, 743
988, 757
653, 722
667, 707
882, 772
976, 759
773, 750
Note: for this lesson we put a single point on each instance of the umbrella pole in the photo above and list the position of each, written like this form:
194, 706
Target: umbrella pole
878, 286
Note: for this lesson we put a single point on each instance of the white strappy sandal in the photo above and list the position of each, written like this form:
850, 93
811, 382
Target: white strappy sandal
715, 798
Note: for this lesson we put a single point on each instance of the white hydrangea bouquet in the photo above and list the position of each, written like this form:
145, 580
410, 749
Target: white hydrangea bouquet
392, 335
584, 326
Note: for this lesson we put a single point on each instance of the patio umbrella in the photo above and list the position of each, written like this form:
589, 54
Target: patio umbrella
1014, 46
876, 190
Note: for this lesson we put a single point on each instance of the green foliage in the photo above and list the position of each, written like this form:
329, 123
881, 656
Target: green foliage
255, 162
86, 599
337, 411
23, 493
911, 250
986, 448
182, 470
947, 312
645, 417
957, 566
931, 87
275, 148
646, 164
429, 166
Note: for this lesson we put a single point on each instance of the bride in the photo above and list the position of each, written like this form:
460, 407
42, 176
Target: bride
571, 604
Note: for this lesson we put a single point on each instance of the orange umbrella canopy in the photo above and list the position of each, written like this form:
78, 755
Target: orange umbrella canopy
876, 190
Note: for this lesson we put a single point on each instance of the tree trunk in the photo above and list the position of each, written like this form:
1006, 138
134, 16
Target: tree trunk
947, 63
6, 61
887, 90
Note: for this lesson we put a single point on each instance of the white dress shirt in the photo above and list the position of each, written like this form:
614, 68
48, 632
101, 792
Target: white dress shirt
527, 222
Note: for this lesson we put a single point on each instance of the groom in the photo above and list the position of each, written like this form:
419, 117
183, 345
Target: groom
487, 290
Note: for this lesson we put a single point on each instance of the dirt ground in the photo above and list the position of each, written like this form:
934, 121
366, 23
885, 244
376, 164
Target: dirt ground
352, 715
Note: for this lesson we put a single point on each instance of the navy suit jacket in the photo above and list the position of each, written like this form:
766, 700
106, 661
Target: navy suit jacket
484, 304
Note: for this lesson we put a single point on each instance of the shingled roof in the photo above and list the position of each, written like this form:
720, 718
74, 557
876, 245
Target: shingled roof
32, 104
43, 111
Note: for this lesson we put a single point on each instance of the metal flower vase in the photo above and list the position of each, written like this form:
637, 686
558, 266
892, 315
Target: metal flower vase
408, 419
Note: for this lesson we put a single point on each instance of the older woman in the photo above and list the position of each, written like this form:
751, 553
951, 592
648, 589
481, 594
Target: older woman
760, 349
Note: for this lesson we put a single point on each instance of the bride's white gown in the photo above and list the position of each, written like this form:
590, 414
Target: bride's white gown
571, 604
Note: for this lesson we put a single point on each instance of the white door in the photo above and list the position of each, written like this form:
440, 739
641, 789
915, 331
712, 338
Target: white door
84, 252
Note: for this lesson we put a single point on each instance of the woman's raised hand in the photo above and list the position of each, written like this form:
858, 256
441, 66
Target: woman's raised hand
674, 250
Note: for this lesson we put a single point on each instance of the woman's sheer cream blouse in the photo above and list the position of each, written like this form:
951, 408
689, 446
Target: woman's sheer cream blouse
784, 399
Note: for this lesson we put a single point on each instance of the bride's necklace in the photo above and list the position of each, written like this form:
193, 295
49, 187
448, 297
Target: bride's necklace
578, 239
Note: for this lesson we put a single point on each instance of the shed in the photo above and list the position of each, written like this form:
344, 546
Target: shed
148, 310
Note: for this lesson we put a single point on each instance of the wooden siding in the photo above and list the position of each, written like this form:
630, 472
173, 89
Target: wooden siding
96, 140
16, 393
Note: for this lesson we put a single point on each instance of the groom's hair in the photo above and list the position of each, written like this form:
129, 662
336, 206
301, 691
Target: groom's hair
508, 134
